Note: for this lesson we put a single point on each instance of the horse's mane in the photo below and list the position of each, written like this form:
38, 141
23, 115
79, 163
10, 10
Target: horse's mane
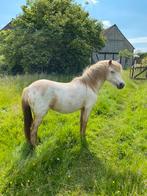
96, 72
92, 74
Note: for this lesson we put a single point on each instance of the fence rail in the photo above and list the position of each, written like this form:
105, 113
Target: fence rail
138, 72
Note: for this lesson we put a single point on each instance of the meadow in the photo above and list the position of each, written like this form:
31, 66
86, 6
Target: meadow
111, 160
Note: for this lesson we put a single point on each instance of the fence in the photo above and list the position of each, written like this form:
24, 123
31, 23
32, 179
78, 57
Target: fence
138, 72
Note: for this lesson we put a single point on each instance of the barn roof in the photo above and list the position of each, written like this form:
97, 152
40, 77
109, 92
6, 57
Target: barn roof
8, 26
106, 31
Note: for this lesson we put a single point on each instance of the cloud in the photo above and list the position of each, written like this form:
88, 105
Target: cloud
140, 49
138, 40
91, 1
106, 23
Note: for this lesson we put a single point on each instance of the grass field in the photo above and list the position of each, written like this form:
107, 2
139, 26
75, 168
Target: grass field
112, 160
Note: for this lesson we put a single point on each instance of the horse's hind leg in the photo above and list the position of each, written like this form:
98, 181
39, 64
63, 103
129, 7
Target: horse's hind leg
35, 125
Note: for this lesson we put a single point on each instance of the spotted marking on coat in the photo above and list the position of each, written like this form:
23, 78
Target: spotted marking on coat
53, 102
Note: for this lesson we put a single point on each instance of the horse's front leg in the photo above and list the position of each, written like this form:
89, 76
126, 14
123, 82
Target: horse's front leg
83, 119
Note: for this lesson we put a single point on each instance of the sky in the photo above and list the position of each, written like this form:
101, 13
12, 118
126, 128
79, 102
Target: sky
129, 15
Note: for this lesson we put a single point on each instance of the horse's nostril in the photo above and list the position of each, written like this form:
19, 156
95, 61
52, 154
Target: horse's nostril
121, 85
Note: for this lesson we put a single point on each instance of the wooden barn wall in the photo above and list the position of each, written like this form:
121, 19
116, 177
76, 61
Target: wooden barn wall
115, 42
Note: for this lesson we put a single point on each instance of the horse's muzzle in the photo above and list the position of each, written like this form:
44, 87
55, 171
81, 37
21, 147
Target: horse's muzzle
120, 85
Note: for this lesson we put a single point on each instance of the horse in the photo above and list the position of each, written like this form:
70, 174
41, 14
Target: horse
78, 94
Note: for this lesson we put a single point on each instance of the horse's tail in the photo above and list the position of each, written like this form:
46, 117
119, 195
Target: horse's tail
27, 114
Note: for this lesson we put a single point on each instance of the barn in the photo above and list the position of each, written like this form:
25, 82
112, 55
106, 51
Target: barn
115, 42
7, 26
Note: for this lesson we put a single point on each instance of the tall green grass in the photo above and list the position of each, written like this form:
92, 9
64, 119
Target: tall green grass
111, 160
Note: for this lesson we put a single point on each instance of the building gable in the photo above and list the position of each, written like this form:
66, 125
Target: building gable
8, 26
115, 41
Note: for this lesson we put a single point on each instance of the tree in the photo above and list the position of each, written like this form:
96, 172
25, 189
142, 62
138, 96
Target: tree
141, 55
51, 36
126, 54
144, 61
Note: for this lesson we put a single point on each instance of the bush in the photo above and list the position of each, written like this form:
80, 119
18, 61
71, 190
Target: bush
144, 61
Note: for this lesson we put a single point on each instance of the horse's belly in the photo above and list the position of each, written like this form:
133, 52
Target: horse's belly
66, 109
68, 106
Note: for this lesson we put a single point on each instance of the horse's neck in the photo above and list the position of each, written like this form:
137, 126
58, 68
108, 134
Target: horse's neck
95, 85
99, 84
94, 78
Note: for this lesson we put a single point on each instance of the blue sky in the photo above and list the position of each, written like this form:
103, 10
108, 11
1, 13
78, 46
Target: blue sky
129, 15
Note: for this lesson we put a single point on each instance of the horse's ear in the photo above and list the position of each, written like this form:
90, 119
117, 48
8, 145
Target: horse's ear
110, 62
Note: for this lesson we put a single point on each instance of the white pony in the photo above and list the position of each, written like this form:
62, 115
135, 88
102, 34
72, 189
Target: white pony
79, 94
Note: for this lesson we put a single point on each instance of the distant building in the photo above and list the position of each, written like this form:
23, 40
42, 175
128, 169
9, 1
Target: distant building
7, 27
115, 42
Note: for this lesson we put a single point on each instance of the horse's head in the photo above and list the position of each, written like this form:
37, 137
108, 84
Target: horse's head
114, 74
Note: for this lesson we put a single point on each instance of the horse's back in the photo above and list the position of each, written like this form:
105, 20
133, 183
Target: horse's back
62, 97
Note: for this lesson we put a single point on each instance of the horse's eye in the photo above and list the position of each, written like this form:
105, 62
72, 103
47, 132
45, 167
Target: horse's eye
112, 71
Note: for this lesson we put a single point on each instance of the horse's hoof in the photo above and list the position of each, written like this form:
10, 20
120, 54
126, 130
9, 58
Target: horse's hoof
83, 135
31, 146
39, 140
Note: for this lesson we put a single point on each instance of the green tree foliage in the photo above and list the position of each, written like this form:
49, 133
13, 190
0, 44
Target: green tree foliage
125, 54
144, 61
141, 55
51, 36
